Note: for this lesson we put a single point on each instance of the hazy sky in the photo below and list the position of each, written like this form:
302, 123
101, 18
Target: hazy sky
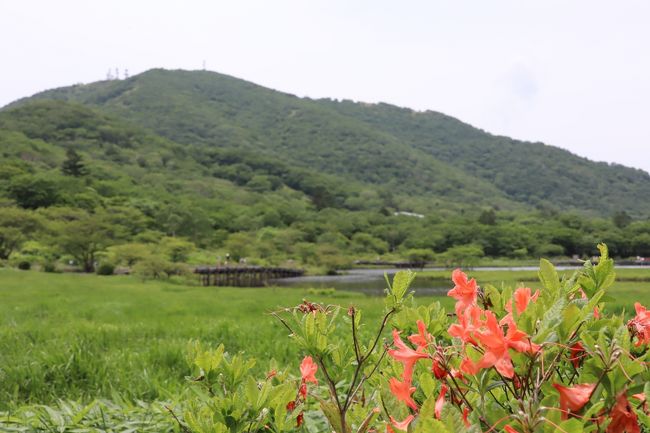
575, 74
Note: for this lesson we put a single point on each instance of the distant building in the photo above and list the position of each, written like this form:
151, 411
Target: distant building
409, 214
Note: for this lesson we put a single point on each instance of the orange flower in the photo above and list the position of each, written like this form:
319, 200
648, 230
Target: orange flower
400, 425
523, 297
640, 325
577, 354
468, 321
402, 391
623, 417
422, 339
465, 415
308, 369
464, 291
496, 353
440, 401
468, 367
510, 429
572, 399
519, 340
496, 345
407, 356
438, 370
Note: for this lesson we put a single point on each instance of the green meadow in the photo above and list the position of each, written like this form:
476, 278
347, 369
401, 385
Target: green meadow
80, 336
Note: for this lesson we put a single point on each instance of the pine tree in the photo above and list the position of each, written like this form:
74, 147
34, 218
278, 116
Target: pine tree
73, 165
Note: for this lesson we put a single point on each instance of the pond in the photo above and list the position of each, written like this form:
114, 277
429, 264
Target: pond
372, 282
369, 281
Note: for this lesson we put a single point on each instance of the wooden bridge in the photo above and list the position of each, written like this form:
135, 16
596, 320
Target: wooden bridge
243, 276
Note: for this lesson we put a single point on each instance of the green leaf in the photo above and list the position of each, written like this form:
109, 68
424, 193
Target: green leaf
549, 278
571, 426
571, 316
363, 428
401, 282
427, 384
430, 425
251, 390
83, 412
549, 323
493, 297
452, 419
331, 412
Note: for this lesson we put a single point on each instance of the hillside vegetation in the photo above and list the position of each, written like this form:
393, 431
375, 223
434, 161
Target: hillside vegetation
415, 153
173, 167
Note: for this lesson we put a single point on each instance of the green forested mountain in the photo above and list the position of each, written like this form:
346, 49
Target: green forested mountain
175, 166
421, 154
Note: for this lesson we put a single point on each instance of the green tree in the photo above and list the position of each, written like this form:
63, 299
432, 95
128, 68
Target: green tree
32, 192
621, 219
463, 255
83, 238
129, 254
239, 245
73, 164
488, 217
178, 250
419, 255
15, 226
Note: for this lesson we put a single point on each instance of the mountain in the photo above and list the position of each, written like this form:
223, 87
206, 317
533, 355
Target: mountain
177, 166
427, 159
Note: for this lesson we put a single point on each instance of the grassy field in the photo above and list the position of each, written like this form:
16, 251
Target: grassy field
78, 336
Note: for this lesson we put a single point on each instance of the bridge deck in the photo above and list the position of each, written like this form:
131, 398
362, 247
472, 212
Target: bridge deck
243, 276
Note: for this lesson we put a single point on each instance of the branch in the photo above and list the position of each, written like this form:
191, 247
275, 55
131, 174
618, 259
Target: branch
180, 424
381, 329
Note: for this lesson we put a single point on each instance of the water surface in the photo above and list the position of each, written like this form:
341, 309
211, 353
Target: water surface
372, 281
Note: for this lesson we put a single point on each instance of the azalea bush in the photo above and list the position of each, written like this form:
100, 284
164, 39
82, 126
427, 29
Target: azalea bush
505, 359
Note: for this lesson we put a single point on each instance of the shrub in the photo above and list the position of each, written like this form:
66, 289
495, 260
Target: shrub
157, 267
105, 269
49, 267
24, 265
504, 360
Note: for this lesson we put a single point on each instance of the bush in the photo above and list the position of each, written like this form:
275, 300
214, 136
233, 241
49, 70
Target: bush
105, 269
506, 359
24, 265
49, 267
550, 250
157, 267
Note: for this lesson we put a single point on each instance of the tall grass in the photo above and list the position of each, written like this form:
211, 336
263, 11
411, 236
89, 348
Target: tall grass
85, 336
82, 337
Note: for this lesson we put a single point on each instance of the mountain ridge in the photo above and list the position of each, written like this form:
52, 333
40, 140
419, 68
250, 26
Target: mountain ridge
417, 153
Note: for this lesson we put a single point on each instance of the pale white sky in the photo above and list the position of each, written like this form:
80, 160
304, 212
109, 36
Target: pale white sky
574, 74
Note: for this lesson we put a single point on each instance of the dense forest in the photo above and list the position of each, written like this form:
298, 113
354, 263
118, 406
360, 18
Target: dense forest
173, 167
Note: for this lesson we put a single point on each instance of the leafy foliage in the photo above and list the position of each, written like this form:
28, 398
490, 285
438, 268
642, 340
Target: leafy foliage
511, 361
425, 154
